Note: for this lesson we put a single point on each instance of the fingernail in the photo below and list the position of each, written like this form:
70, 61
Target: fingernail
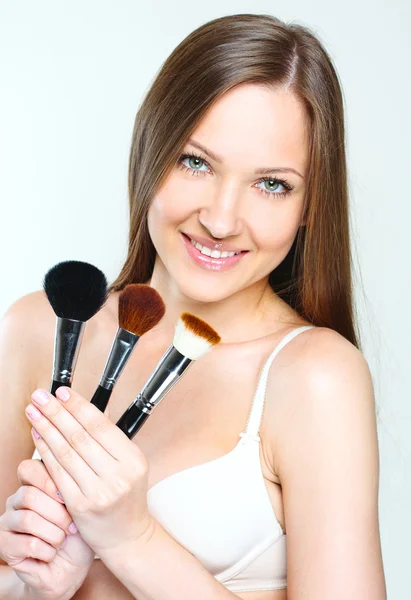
36, 434
72, 528
41, 397
59, 496
33, 413
63, 394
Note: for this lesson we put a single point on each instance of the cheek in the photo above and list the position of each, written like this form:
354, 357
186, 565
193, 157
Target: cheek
274, 229
172, 203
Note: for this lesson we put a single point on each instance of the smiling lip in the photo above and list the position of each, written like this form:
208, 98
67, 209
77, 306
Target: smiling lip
221, 246
206, 262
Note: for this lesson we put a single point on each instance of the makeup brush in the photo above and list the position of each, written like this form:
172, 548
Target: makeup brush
140, 308
76, 291
192, 339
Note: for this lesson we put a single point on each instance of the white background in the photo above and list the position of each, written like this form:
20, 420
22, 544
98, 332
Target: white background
72, 75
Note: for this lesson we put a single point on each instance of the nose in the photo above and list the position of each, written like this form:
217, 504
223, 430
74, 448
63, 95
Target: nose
221, 215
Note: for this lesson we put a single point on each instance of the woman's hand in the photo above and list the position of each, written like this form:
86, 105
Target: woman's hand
101, 474
37, 539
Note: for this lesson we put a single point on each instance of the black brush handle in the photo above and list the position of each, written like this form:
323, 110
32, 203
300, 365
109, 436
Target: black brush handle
132, 420
56, 384
101, 398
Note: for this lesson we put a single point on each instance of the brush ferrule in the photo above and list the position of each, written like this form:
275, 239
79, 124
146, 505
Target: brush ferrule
120, 352
171, 366
67, 342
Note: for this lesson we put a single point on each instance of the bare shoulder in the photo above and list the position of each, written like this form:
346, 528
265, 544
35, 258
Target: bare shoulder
325, 362
28, 306
25, 332
26, 344
31, 320
321, 353
321, 414
319, 371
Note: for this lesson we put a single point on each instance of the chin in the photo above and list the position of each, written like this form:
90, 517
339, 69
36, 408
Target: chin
202, 291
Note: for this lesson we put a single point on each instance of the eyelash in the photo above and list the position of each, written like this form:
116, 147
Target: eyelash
288, 188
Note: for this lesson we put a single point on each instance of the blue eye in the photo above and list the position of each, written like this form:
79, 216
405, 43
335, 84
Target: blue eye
193, 169
274, 181
193, 159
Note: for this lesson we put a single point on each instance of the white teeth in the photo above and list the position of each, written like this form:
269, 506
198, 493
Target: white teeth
212, 253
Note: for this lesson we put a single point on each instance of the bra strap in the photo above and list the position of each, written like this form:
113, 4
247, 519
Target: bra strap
256, 412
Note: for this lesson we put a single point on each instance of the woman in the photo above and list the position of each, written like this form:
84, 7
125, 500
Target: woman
237, 147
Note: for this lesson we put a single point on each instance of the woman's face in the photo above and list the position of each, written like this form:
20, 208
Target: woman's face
218, 199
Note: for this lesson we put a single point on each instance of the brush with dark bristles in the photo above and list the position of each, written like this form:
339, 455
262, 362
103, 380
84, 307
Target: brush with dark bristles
76, 291
192, 339
140, 308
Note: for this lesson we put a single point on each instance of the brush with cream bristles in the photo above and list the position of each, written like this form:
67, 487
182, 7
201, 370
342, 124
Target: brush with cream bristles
140, 308
192, 339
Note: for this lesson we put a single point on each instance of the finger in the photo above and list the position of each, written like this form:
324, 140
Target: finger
109, 436
70, 467
84, 444
29, 497
33, 472
28, 521
71, 491
21, 546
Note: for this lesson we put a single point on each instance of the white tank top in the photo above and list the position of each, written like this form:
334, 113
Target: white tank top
220, 511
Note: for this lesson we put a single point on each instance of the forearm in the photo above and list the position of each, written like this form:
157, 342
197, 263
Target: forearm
159, 568
11, 587
101, 584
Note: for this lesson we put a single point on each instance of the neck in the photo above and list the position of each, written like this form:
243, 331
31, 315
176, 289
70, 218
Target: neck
249, 314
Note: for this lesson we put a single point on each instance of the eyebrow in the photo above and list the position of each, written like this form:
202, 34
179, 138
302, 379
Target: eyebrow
260, 171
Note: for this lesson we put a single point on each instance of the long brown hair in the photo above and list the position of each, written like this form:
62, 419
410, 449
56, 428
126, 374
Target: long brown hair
315, 277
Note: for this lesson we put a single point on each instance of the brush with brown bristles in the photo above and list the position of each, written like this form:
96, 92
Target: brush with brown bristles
140, 308
192, 339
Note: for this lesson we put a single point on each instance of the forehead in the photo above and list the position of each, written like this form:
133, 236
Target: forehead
252, 122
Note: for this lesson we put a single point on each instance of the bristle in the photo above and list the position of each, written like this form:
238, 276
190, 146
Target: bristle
140, 308
194, 337
76, 290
